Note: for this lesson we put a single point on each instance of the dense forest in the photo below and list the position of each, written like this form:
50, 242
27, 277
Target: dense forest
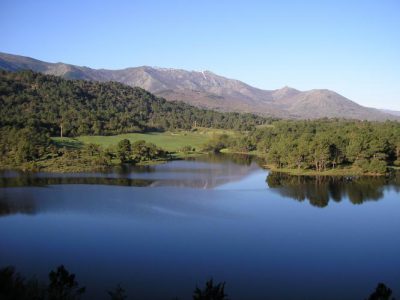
321, 145
79, 107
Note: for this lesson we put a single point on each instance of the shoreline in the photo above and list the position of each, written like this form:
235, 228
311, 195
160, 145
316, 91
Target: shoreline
49, 166
339, 172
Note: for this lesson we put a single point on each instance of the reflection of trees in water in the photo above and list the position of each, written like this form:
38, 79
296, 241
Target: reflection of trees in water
228, 167
44, 181
126, 169
213, 170
236, 158
11, 208
28, 206
320, 190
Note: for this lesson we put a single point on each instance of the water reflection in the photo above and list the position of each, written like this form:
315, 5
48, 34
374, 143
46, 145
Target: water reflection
30, 193
221, 176
37, 180
320, 190
206, 172
115, 227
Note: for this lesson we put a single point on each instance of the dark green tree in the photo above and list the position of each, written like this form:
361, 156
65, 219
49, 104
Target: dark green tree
382, 292
63, 286
118, 293
124, 150
14, 286
211, 292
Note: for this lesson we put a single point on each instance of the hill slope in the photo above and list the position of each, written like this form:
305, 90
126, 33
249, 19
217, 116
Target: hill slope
83, 107
392, 112
208, 90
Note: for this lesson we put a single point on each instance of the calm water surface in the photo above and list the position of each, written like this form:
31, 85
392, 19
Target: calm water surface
161, 230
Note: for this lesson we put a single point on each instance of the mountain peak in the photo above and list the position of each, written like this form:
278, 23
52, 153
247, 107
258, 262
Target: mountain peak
284, 92
209, 90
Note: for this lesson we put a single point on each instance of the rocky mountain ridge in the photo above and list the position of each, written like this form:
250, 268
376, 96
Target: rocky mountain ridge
208, 90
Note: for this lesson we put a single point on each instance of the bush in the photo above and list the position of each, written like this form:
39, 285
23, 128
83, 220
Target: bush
374, 165
187, 149
377, 166
217, 143
142, 151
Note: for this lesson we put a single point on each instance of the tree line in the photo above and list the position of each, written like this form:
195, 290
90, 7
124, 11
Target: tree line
321, 145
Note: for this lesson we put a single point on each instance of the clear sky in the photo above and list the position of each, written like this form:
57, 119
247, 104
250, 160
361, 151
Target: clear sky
352, 47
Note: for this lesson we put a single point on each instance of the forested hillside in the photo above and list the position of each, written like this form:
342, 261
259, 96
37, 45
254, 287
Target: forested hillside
83, 107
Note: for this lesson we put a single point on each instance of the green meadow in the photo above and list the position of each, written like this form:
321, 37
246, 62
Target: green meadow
170, 141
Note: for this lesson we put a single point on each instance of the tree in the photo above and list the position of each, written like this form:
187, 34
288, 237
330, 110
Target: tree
211, 292
143, 151
124, 150
14, 286
118, 293
321, 152
63, 285
276, 153
30, 144
382, 292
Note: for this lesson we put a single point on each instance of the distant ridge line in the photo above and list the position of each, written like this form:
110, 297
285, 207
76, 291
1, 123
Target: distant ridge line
208, 90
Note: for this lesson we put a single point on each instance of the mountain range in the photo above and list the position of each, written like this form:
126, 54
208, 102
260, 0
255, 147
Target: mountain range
208, 90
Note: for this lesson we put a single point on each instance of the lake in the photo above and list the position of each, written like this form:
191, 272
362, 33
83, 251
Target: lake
159, 231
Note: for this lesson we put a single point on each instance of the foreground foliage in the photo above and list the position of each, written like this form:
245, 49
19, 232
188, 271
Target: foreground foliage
211, 292
62, 285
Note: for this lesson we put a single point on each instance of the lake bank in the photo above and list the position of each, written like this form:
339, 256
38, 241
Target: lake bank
349, 171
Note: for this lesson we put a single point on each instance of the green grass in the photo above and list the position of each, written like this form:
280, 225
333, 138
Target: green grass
170, 141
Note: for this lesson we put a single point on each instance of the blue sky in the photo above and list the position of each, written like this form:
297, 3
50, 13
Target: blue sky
352, 47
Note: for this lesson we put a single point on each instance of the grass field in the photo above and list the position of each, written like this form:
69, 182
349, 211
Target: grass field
170, 141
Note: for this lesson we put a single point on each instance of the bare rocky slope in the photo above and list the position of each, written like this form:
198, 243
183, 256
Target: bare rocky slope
208, 90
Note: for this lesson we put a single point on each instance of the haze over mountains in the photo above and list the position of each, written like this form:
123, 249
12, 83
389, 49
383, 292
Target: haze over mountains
209, 90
